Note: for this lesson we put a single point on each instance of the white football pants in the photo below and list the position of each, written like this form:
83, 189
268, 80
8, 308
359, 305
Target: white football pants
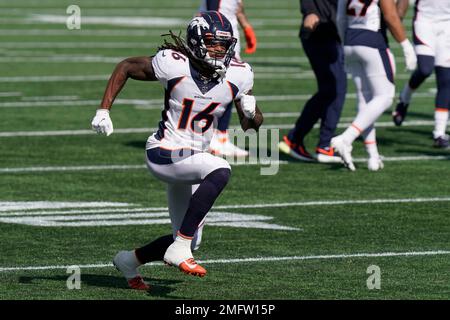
371, 72
432, 38
183, 178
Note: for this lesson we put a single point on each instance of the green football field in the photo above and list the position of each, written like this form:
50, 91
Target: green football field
69, 197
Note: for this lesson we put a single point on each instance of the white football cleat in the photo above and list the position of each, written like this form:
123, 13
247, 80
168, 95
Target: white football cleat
345, 151
327, 156
179, 254
375, 164
127, 263
221, 146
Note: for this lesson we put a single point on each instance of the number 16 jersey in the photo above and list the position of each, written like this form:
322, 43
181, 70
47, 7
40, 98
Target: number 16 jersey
192, 104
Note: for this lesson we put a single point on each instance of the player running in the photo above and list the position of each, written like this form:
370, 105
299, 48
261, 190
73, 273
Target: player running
431, 34
200, 79
370, 62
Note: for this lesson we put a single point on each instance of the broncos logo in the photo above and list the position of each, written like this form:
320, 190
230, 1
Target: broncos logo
200, 23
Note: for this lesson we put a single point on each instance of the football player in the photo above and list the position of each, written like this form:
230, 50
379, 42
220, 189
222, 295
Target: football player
200, 79
234, 11
370, 62
431, 34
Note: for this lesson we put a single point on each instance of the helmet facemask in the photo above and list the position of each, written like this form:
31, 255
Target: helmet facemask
219, 50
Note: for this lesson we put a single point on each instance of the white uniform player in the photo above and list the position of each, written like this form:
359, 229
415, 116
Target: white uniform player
191, 113
432, 30
200, 79
371, 64
431, 33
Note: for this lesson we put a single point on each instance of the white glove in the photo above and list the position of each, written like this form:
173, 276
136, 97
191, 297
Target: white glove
410, 55
248, 104
102, 122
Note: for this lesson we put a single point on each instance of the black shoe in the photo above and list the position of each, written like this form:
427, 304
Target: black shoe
399, 115
442, 142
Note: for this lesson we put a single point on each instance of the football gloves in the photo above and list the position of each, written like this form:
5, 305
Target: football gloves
410, 55
250, 39
248, 105
102, 122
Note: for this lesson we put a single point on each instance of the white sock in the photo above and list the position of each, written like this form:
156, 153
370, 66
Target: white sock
370, 141
405, 95
350, 134
440, 122
184, 241
131, 255
372, 149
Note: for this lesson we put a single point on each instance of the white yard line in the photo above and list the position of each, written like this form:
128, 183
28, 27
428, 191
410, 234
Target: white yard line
141, 167
130, 208
70, 132
10, 94
50, 98
52, 102
114, 20
103, 77
50, 133
71, 168
84, 211
55, 78
33, 205
332, 203
246, 260
152, 104
123, 45
114, 167
121, 32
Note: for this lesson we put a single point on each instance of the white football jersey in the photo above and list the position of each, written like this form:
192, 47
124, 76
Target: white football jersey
436, 10
192, 106
363, 15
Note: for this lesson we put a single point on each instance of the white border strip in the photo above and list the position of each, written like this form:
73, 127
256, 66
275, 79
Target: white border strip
249, 163
245, 260
241, 206
6, 134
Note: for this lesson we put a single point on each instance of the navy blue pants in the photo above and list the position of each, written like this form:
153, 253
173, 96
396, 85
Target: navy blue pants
327, 61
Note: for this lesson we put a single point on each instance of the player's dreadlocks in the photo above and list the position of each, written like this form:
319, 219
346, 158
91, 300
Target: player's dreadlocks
179, 45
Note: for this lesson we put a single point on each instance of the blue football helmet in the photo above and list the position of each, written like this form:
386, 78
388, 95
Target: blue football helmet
211, 28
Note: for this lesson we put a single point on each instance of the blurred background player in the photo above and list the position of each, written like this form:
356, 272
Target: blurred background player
200, 81
234, 11
323, 48
431, 34
371, 64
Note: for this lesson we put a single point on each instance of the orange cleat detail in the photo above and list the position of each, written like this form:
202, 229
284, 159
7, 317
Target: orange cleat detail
189, 266
137, 283
326, 152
